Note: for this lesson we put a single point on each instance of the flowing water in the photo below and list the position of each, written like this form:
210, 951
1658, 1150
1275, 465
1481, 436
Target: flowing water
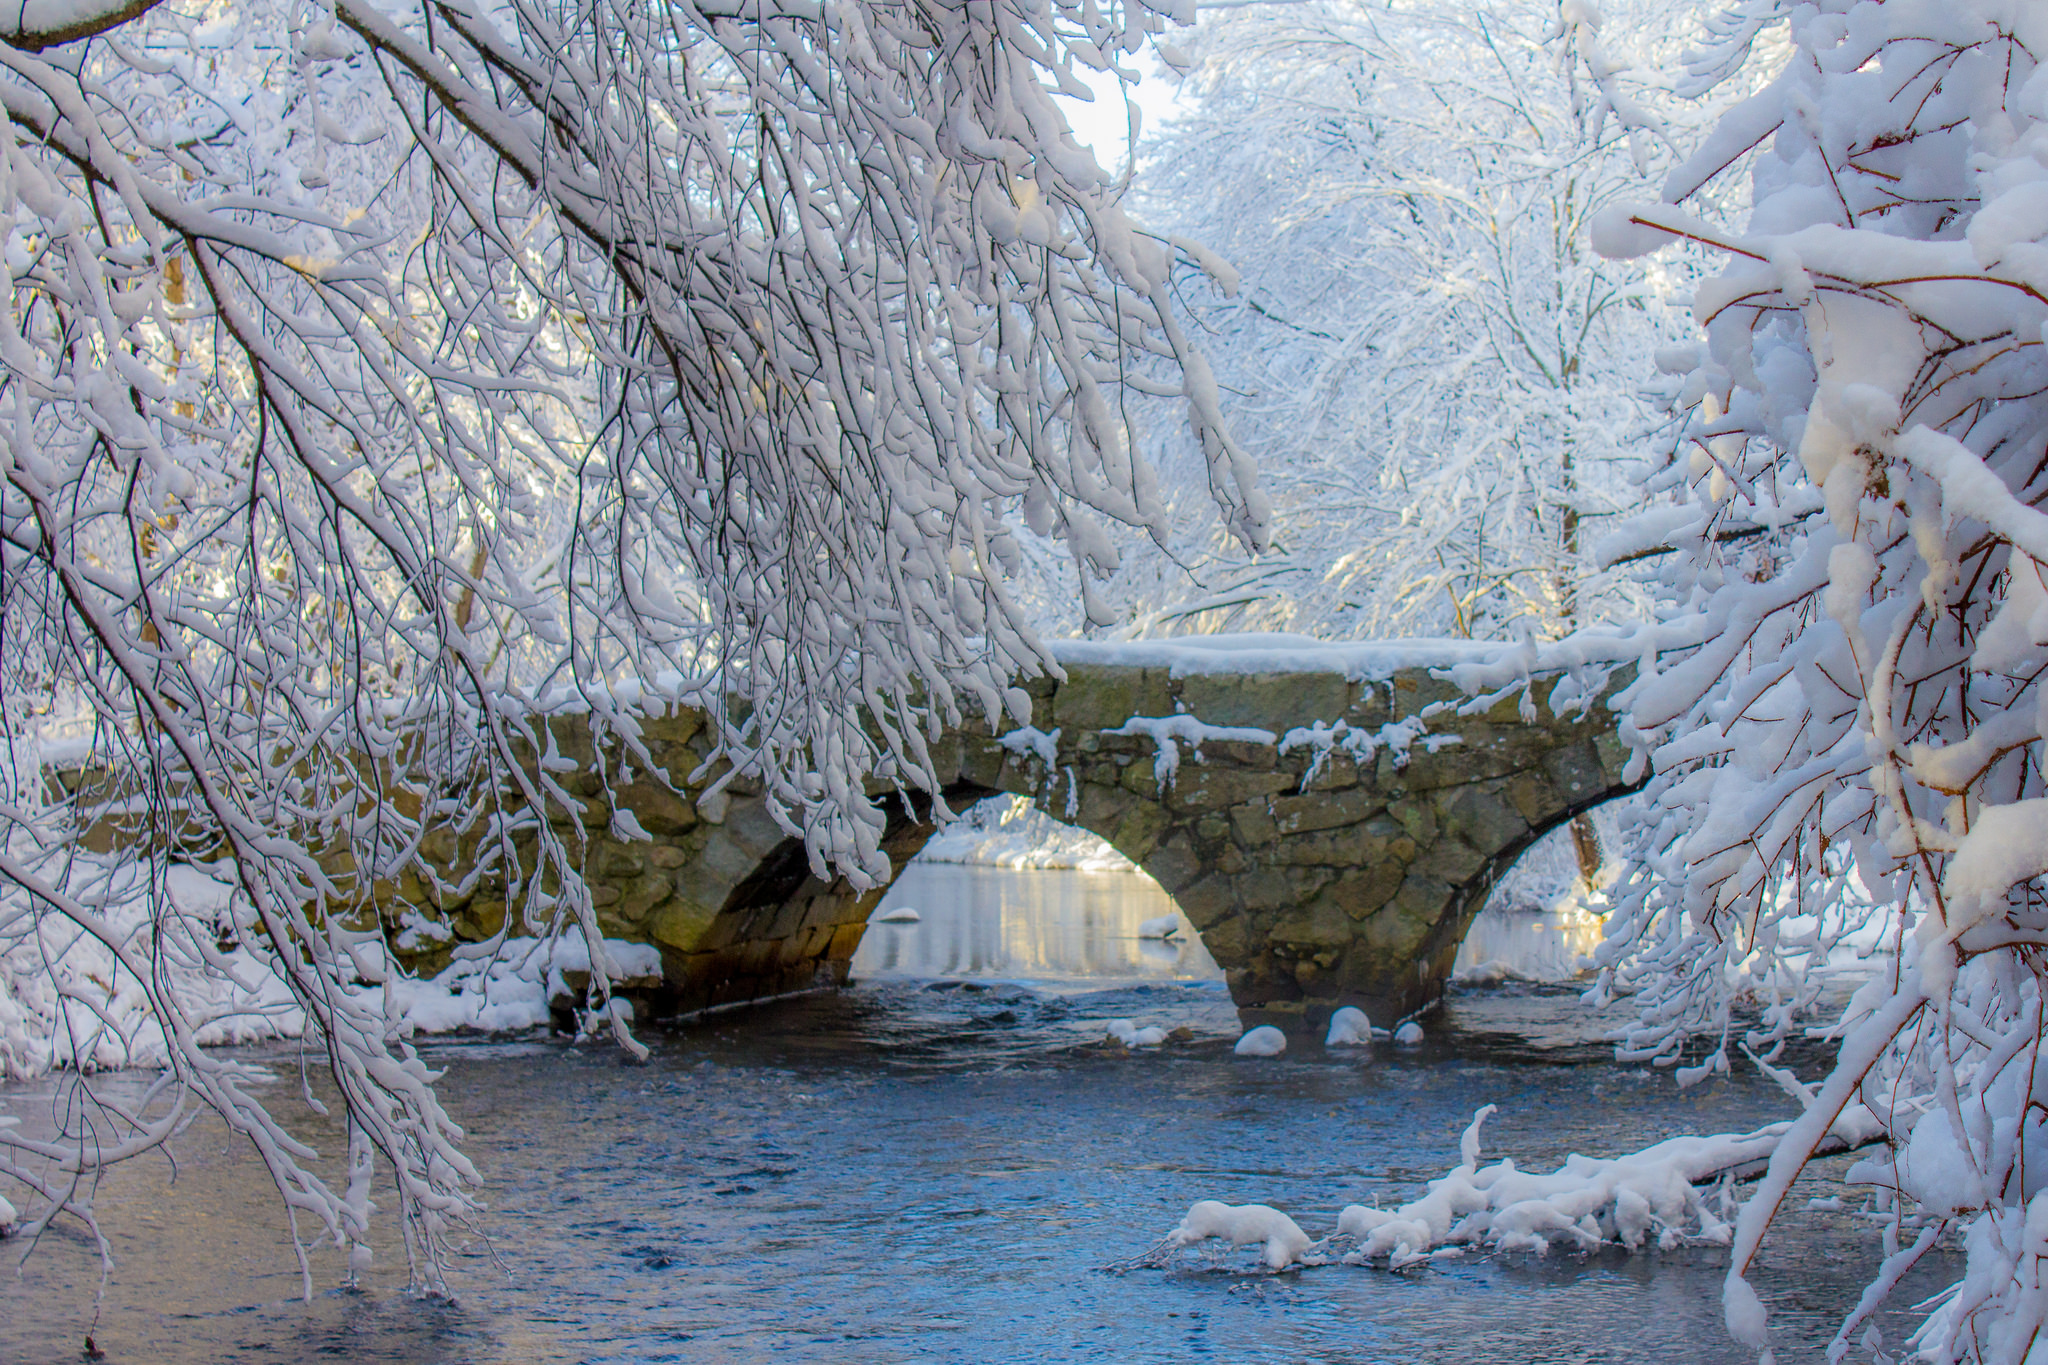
937, 1165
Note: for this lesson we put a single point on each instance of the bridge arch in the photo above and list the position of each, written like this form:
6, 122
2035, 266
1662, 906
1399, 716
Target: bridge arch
1330, 838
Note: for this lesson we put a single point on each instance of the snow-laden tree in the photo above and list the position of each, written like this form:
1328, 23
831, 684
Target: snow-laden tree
369, 370
1443, 384
1844, 705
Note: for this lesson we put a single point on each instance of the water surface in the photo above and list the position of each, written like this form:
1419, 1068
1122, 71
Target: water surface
939, 1170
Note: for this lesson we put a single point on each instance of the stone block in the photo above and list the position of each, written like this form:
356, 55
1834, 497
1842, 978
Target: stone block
1362, 893
483, 919
1138, 833
1418, 817
1271, 701
1254, 823
682, 924
1103, 805
1482, 819
1103, 697
1533, 798
1227, 940
1613, 755
1576, 771
1206, 901
1173, 864
1241, 753
1263, 890
1214, 786
1320, 924
749, 824
1325, 810
1452, 860
661, 812
614, 861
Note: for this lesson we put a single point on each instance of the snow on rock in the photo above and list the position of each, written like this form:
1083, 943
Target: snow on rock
1349, 1028
1159, 926
9, 1216
1644, 1199
1027, 740
1130, 1035
1263, 1041
1409, 1034
902, 914
1244, 1225
1397, 737
1164, 731
509, 991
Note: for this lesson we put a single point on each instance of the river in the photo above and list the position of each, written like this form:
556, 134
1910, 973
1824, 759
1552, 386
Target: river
937, 1165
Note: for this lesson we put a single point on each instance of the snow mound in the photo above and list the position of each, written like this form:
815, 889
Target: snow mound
902, 914
68, 1001
1160, 926
1263, 1041
1008, 831
1409, 1034
1130, 1035
1244, 1225
1349, 1028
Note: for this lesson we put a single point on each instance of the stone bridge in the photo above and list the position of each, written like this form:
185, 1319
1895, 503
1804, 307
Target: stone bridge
1330, 824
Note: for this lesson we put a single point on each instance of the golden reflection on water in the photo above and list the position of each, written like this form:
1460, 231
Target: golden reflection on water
1545, 945
1062, 924
1037, 923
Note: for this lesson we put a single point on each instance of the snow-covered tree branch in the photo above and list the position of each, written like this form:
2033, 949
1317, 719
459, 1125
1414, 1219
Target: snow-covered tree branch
1444, 385
1844, 705
370, 371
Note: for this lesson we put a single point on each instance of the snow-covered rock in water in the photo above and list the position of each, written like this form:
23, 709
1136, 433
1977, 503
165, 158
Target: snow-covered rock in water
902, 914
1160, 926
1349, 1028
9, 1216
1130, 1035
1243, 1225
1263, 1041
1409, 1034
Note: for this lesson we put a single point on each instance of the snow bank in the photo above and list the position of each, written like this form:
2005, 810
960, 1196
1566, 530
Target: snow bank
1263, 1041
1349, 1028
67, 1001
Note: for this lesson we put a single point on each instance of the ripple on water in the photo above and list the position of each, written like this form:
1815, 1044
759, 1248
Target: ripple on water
919, 1170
